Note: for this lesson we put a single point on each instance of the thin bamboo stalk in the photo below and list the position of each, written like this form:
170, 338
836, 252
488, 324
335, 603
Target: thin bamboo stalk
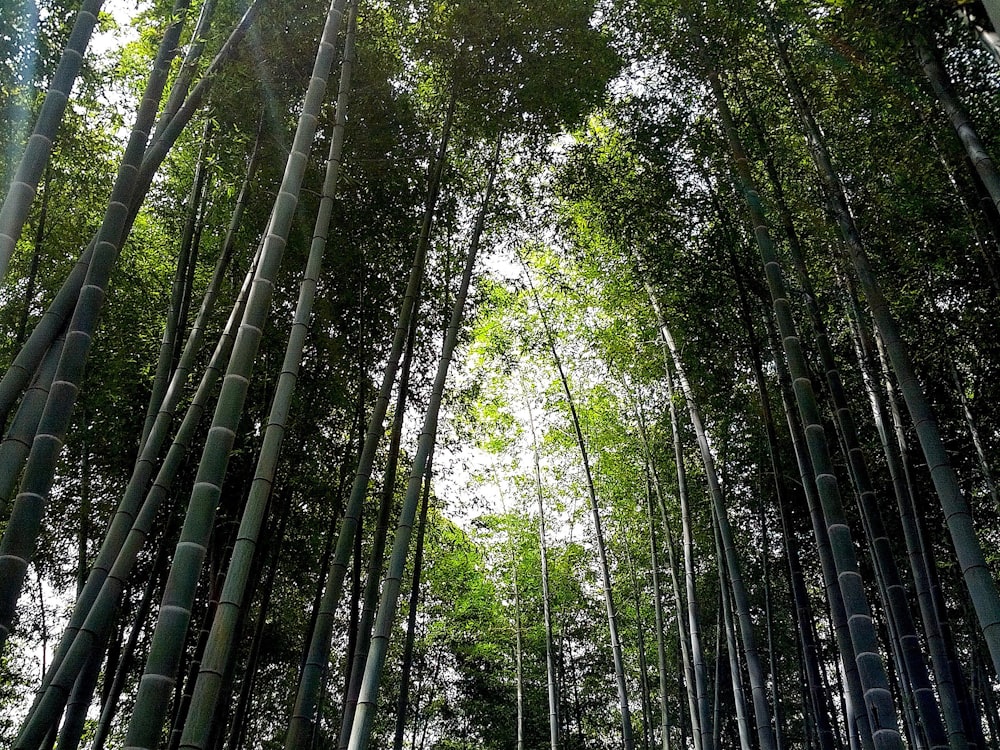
367, 701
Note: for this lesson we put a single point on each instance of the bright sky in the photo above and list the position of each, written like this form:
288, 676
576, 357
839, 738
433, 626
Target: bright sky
122, 11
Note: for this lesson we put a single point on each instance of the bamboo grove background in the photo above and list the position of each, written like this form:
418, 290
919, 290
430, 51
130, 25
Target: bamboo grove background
500, 374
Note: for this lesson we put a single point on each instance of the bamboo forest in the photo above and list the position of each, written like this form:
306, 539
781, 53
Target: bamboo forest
502, 374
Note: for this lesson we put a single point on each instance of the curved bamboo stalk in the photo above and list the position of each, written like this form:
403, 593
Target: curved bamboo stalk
628, 740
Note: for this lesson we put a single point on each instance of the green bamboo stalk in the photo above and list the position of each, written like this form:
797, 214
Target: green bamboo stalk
628, 740
204, 701
17, 441
363, 631
878, 699
741, 600
237, 730
114, 691
950, 681
53, 320
917, 681
732, 651
552, 684
975, 571
697, 679
856, 718
402, 702
18, 543
175, 610
164, 362
36, 254
967, 134
686, 668
661, 654
703, 728
367, 701
803, 610
894, 597
34, 160
189, 66
129, 529
640, 641
319, 639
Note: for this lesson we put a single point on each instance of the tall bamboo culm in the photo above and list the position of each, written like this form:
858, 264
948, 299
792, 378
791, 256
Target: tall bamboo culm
175, 609
146, 462
371, 681
199, 722
35, 158
18, 544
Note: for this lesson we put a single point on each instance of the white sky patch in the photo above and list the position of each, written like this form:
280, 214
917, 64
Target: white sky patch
123, 11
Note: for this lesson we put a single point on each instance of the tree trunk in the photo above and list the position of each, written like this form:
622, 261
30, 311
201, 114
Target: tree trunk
968, 135
173, 329
133, 521
367, 701
733, 655
36, 254
858, 725
35, 159
701, 723
198, 727
616, 649
762, 711
661, 654
885, 727
550, 655
319, 647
